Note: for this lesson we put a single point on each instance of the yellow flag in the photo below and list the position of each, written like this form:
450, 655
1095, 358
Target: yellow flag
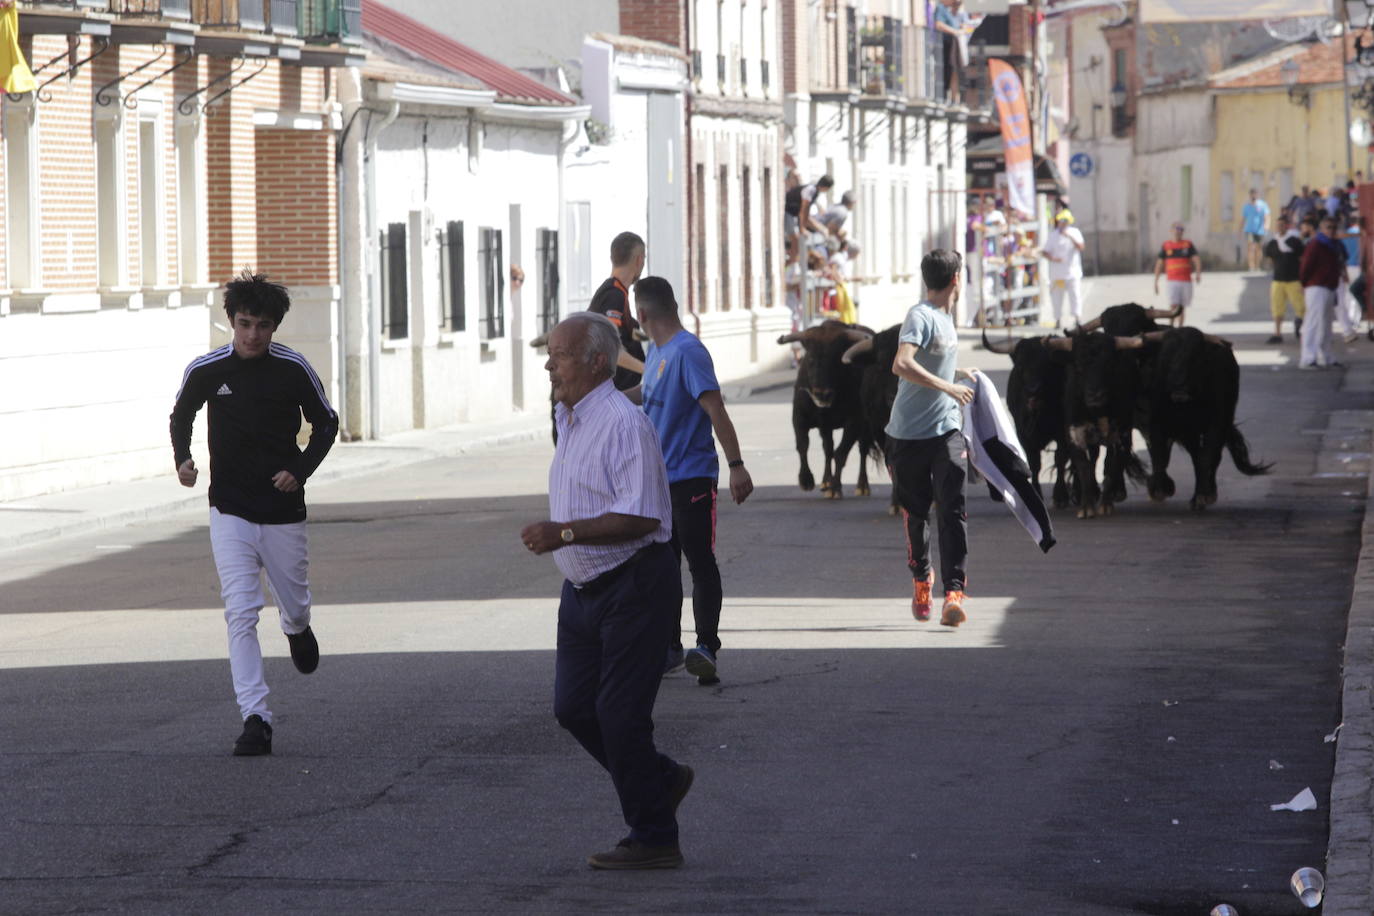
15, 75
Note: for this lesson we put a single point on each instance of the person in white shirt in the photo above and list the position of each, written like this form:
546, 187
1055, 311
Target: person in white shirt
1064, 250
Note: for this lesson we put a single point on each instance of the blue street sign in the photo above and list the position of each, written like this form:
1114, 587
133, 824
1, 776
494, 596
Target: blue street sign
1081, 165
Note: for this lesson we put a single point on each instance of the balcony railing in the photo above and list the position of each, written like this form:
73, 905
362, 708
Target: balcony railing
880, 56
231, 14
331, 20
179, 10
100, 5
283, 16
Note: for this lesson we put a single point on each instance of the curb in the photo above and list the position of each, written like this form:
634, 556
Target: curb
1350, 843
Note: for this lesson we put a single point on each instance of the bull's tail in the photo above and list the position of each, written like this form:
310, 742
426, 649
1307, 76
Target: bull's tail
1135, 468
1240, 454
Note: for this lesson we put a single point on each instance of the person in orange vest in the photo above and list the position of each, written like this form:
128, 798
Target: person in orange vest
1181, 265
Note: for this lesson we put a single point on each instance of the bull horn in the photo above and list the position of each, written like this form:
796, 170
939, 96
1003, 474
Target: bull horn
1128, 343
994, 348
854, 352
1059, 343
857, 335
1090, 326
1153, 336
794, 337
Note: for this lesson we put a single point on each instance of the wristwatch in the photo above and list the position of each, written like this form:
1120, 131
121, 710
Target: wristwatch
567, 535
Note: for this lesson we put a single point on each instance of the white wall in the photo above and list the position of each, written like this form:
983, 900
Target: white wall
518, 33
424, 179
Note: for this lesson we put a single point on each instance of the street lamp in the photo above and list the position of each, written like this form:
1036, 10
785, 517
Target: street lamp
1117, 96
1298, 95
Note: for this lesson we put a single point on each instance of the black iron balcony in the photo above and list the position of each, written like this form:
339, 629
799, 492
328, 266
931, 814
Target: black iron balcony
880, 56
37, 5
179, 10
230, 14
331, 20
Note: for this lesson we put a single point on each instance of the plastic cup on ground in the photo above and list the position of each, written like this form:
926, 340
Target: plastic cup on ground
1224, 909
1308, 884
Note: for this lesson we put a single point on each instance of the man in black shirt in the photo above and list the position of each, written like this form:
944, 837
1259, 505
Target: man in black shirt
612, 299
257, 391
1285, 251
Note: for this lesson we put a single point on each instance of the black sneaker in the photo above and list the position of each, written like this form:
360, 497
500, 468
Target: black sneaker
1275, 339
256, 739
305, 651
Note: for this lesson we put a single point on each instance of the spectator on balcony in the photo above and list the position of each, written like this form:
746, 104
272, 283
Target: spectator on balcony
835, 218
953, 23
798, 204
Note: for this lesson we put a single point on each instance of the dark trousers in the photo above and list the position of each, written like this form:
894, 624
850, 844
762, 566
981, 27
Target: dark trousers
694, 534
925, 471
612, 637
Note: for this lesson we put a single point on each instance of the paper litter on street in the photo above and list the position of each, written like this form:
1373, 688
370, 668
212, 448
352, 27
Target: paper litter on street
1303, 801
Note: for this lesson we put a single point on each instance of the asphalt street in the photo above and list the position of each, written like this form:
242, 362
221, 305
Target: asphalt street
1104, 736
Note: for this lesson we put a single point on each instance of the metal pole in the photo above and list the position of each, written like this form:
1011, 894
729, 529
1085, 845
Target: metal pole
1345, 97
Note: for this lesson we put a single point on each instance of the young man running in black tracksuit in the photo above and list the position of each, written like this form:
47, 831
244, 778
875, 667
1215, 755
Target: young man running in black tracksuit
257, 391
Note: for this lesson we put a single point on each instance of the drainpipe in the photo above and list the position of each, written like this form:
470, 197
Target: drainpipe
690, 168
374, 315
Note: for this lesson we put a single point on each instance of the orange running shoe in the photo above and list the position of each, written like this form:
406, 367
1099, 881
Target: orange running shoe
952, 614
920, 599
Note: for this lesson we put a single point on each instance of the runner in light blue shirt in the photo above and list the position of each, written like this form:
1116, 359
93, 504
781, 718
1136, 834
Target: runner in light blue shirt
926, 453
682, 398
1255, 225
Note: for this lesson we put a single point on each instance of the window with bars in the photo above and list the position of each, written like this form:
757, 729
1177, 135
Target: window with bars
395, 299
723, 203
493, 283
453, 278
767, 198
747, 228
546, 253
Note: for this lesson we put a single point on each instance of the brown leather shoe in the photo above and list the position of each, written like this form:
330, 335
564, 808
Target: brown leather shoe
629, 854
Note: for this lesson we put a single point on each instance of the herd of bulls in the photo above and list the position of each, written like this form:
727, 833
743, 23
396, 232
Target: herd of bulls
1085, 393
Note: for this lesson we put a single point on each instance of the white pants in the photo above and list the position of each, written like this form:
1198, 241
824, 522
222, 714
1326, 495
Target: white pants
1074, 287
1316, 326
1349, 322
243, 551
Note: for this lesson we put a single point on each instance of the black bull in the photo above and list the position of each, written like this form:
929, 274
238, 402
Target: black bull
826, 398
1035, 400
1192, 386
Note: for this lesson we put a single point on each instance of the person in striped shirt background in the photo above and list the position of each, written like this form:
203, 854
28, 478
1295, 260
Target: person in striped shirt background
609, 528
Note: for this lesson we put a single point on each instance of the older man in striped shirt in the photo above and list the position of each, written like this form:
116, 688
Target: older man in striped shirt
612, 519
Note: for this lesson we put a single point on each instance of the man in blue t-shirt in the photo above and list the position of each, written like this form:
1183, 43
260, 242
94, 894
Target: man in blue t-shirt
1255, 226
682, 398
926, 452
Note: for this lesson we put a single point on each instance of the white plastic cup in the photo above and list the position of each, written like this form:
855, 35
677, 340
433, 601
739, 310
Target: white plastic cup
1224, 909
1308, 885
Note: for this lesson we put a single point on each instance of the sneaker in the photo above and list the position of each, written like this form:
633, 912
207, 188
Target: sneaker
952, 614
305, 651
256, 739
674, 662
682, 784
629, 854
920, 599
700, 662
1275, 339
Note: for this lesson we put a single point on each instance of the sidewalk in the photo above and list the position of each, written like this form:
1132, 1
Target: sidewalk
42, 518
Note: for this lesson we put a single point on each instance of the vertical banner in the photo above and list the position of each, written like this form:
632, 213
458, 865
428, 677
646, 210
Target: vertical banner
15, 76
1016, 136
